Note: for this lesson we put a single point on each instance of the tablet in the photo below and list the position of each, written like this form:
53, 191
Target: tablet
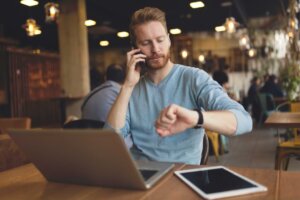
218, 182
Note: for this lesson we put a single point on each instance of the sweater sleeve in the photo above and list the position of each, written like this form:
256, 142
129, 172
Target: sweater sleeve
125, 130
211, 96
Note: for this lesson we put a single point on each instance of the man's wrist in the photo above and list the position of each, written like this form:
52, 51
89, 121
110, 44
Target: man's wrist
199, 123
127, 86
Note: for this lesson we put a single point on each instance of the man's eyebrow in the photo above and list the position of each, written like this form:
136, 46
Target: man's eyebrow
149, 40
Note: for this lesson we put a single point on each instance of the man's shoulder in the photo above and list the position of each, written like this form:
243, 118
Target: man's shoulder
190, 70
108, 85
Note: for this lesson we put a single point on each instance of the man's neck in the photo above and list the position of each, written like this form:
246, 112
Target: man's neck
158, 75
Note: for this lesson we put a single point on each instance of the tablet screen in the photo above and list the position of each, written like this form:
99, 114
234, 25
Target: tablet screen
218, 182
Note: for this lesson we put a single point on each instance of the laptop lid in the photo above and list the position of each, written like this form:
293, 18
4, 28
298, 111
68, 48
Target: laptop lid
86, 156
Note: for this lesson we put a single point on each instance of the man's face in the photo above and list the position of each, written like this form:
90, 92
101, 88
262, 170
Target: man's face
154, 42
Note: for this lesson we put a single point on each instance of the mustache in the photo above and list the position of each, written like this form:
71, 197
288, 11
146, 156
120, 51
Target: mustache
156, 56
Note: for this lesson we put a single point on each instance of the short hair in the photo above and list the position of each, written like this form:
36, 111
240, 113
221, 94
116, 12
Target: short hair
254, 79
272, 78
115, 73
146, 15
221, 77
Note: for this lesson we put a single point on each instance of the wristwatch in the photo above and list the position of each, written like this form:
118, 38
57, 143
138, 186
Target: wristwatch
200, 119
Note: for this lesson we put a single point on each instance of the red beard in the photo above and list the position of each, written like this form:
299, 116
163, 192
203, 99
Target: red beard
158, 61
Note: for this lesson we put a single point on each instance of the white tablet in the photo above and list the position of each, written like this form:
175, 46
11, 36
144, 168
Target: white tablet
218, 182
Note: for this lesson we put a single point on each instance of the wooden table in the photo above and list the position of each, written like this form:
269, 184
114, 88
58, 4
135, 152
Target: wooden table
26, 182
285, 148
283, 120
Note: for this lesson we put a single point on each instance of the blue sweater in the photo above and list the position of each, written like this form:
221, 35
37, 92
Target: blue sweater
188, 87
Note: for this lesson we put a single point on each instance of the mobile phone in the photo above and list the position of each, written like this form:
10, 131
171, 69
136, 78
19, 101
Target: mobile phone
141, 64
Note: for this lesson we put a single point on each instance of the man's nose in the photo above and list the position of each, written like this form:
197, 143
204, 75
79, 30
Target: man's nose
155, 47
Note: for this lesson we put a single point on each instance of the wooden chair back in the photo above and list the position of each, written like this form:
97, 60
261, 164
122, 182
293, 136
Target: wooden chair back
19, 122
214, 139
10, 154
295, 107
83, 123
205, 150
290, 147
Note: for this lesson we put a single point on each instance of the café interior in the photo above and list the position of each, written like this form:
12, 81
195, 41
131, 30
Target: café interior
53, 53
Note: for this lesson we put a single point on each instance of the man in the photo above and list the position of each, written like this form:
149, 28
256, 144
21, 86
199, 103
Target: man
99, 101
157, 109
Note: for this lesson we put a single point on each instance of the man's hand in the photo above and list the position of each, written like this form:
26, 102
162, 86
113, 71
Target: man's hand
133, 72
174, 119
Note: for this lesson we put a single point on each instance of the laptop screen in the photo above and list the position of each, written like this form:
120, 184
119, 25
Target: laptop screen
147, 173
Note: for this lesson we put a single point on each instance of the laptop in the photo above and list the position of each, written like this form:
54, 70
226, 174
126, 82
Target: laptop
97, 157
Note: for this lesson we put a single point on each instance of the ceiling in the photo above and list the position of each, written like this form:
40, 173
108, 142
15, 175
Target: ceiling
114, 15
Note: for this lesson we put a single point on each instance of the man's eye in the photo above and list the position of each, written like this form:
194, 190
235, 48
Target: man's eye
161, 39
145, 43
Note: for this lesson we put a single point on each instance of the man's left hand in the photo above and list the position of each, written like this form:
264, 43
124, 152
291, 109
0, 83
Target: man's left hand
174, 119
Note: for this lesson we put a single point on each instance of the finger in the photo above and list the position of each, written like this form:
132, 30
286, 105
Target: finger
163, 132
130, 55
131, 65
165, 119
136, 53
132, 52
160, 125
170, 113
135, 57
139, 55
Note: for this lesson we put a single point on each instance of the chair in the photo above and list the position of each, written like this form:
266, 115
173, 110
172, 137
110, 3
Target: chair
83, 123
266, 104
214, 139
20, 122
10, 154
291, 147
205, 150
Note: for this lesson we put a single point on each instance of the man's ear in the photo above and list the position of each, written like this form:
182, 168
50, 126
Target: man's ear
169, 40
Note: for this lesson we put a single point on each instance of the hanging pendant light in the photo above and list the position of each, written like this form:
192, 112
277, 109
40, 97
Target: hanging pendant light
51, 11
293, 23
184, 53
32, 28
252, 52
29, 3
231, 24
244, 42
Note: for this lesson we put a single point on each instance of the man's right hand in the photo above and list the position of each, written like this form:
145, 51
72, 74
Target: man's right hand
117, 115
133, 73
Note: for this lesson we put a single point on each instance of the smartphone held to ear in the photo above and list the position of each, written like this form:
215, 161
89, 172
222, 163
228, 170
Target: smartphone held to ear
141, 64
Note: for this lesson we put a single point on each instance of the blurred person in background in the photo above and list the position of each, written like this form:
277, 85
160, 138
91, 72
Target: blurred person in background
99, 101
271, 86
252, 95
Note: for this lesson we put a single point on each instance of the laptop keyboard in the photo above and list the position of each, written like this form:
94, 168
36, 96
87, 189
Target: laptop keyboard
147, 173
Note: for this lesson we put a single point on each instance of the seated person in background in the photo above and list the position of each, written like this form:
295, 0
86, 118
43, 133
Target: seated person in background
222, 78
166, 110
252, 97
271, 86
95, 78
99, 101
